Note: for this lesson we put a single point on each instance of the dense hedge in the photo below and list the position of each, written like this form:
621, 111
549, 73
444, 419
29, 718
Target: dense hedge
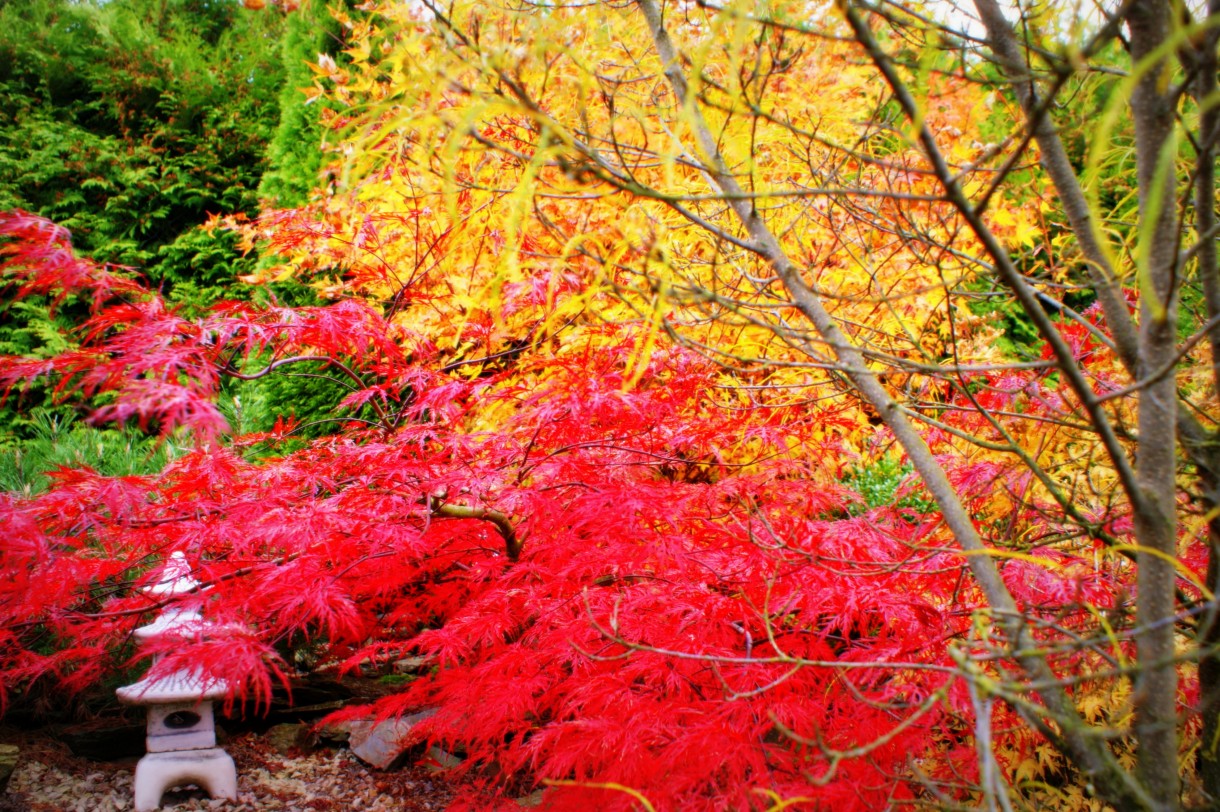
131, 121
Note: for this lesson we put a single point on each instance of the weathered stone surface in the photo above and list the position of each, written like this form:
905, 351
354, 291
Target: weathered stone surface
180, 726
412, 665
381, 745
312, 697
531, 800
332, 735
211, 769
8, 763
176, 688
109, 740
288, 737
439, 760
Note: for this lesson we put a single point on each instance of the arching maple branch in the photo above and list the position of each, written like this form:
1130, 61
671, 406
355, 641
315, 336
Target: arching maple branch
504, 526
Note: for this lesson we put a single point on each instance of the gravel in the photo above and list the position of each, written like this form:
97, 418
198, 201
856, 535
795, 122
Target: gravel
49, 778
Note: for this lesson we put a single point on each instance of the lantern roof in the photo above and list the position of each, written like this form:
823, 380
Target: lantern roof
180, 686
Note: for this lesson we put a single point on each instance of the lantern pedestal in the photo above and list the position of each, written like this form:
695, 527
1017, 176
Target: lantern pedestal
211, 769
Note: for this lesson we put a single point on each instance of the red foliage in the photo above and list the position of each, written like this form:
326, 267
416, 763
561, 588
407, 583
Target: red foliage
678, 621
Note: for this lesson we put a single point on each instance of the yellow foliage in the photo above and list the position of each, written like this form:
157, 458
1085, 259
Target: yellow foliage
525, 175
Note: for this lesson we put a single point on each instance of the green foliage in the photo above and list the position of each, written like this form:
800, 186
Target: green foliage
397, 679
295, 152
29, 328
307, 392
132, 121
881, 483
1019, 337
62, 441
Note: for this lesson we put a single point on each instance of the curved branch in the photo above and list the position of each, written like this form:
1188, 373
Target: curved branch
504, 526
322, 359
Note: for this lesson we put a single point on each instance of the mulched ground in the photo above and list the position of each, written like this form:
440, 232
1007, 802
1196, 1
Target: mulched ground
49, 778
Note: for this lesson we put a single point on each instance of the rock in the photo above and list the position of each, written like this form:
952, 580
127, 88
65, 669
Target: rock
301, 713
380, 744
105, 741
531, 800
317, 690
287, 737
439, 759
311, 697
8, 763
411, 665
332, 735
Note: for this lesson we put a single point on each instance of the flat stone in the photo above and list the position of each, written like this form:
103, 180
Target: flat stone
286, 737
440, 760
535, 798
309, 698
108, 740
333, 735
380, 744
411, 665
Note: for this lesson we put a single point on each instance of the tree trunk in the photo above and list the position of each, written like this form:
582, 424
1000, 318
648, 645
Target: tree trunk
1205, 223
1155, 524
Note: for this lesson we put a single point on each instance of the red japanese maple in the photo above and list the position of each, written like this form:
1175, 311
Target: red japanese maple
609, 598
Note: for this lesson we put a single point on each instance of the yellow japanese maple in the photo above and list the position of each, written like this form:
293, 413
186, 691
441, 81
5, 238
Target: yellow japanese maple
507, 152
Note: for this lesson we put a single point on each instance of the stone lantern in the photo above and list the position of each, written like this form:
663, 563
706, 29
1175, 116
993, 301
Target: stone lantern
181, 738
